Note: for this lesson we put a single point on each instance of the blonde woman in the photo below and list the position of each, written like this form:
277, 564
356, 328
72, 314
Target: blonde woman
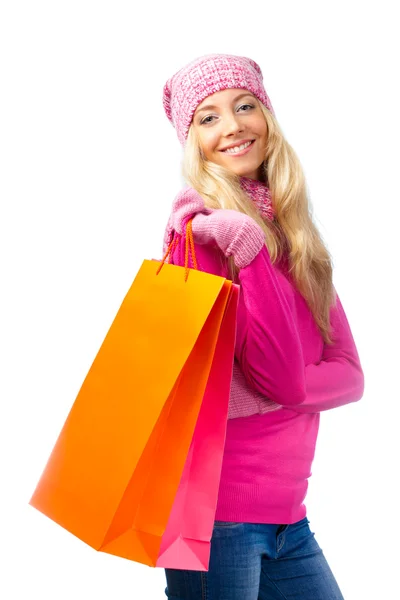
294, 355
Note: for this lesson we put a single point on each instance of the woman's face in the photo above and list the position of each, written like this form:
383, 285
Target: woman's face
226, 120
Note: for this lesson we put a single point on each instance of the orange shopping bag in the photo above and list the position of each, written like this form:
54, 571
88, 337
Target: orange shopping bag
114, 471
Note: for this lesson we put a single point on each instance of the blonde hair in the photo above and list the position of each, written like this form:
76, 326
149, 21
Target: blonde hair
292, 233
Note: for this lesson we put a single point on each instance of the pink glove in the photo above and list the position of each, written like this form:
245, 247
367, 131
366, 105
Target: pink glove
235, 233
186, 204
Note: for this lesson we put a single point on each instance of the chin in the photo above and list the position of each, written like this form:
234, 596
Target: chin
246, 172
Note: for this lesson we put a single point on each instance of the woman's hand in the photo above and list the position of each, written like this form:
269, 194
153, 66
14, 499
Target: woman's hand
235, 233
186, 205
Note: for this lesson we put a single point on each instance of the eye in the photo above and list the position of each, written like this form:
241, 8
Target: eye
204, 121
249, 105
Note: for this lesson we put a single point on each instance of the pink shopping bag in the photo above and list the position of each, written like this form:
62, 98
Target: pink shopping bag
186, 540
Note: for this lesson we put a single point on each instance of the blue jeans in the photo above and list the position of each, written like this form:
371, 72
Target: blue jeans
258, 562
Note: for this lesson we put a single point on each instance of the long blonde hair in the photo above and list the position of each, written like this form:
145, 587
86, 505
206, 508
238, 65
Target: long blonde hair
292, 233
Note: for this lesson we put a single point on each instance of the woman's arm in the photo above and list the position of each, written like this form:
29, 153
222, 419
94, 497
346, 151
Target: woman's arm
266, 334
268, 347
270, 353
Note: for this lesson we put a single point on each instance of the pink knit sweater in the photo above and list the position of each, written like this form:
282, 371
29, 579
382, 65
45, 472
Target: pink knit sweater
283, 376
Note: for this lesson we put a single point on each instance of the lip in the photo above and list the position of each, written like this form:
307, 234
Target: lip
239, 144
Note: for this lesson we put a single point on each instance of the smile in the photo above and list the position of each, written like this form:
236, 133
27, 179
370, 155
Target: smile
242, 149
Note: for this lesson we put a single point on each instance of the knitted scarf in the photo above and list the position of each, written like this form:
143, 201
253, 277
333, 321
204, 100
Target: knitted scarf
260, 194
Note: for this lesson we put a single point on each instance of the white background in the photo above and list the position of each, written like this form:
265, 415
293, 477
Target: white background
89, 168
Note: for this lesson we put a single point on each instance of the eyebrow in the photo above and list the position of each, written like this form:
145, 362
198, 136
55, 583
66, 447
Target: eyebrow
211, 106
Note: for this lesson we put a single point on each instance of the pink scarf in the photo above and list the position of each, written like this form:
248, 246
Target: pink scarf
261, 196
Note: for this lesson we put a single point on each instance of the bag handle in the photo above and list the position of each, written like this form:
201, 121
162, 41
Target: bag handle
189, 244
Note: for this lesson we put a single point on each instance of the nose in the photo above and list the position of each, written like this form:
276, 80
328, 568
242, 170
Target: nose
232, 125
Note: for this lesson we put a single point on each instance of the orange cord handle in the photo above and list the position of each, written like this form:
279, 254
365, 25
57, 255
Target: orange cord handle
189, 244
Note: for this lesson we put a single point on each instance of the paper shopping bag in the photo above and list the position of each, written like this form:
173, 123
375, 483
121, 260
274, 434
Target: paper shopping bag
113, 474
186, 541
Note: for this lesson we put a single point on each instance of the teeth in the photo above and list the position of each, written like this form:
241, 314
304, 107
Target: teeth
237, 148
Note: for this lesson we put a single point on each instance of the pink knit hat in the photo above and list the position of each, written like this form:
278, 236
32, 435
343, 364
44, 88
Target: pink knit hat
204, 76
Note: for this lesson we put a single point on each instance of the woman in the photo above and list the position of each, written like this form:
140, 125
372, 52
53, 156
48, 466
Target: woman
294, 355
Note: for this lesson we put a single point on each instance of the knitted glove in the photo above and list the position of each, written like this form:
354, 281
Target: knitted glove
235, 233
185, 206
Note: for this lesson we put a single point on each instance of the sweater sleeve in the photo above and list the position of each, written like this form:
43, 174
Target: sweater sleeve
338, 378
268, 347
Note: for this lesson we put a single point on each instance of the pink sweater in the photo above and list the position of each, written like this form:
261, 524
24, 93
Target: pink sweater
280, 359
